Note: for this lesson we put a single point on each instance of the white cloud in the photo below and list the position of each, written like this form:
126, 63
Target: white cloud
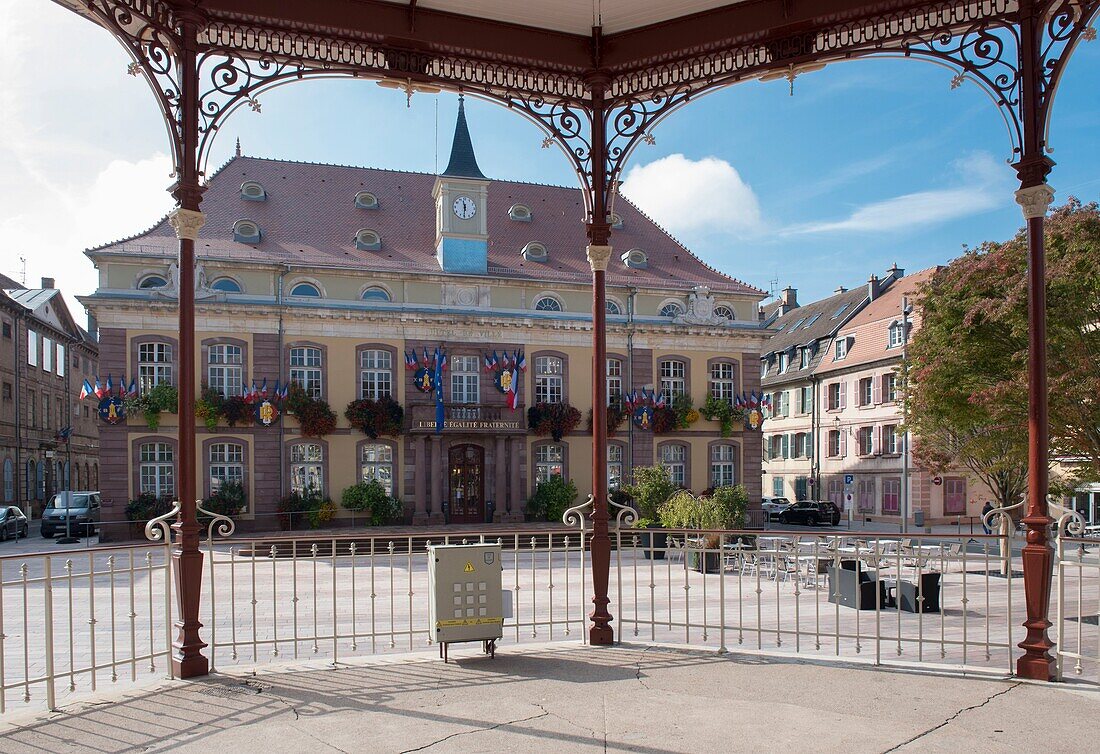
687, 196
985, 185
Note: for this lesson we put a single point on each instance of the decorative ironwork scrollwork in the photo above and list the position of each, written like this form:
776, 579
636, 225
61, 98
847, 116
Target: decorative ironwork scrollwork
576, 515
159, 529
219, 523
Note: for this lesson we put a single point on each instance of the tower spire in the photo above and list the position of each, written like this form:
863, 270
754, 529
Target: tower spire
463, 163
238, 150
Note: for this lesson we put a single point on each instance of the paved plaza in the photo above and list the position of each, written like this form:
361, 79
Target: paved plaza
567, 697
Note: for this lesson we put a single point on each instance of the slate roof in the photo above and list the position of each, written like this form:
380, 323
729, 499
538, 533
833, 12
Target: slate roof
463, 162
809, 323
870, 328
309, 218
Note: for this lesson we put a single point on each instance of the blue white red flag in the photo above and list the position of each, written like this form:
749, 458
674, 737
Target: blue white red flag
85, 390
522, 362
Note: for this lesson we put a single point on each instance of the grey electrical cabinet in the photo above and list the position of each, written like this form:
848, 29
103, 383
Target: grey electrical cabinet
467, 602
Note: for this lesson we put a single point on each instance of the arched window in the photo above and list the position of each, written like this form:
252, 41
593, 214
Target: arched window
368, 240
725, 312
520, 213
535, 252
246, 231
635, 258
253, 191
671, 310
548, 304
613, 307
152, 281
307, 469
226, 464
28, 480
306, 290
156, 472
226, 285
376, 464
40, 481
366, 200
88, 484
616, 220
9, 480
374, 293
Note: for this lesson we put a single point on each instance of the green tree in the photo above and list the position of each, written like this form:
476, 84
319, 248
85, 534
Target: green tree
967, 379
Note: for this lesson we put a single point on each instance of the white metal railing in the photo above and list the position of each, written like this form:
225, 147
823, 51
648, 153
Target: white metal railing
69, 622
1077, 595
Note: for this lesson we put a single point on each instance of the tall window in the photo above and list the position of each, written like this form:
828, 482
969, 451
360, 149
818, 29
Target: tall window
614, 382
891, 438
9, 480
465, 379
805, 399
225, 369
154, 365
777, 486
784, 362
673, 382
722, 381
47, 355
836, 492
375, 374
954, 496
781, 403
549, 462
305, 369
897, 335
835, 396
722, 466
891, 495
804, 357
59, 362
614, 466
156, 472
307, 469
548, 379
866, 397
866, 495
841, 348
866, 441
890, 387
226, 464
376, 465
673, 459
32, 348
835, 449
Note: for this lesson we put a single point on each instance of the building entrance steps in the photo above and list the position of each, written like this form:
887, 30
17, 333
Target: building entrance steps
572, 698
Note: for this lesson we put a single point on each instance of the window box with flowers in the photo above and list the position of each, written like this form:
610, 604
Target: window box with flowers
150, 404
373, 418
725, 413
553, 419
680, 414
314, 415
616, 415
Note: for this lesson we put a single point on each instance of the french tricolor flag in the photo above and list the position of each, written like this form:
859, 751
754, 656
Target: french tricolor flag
85, 390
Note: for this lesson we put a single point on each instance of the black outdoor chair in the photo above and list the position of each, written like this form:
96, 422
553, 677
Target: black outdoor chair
854, 586
907, 594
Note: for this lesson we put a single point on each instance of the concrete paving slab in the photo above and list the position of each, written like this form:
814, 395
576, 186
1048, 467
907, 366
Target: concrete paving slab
567, 697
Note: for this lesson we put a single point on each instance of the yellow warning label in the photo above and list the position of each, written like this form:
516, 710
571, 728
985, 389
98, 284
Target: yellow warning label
469, 567
467, 622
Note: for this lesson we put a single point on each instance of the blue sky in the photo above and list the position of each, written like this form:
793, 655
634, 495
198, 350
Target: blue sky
868, 163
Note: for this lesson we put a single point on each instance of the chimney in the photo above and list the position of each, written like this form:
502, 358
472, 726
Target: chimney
48, 283
872, 287
841, 289
789, 298
893, 274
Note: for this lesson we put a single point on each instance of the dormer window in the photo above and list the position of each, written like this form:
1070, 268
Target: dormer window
725, 312
897, 335
534, 252
806, 355
520, 213
246, 231
635, 258
616, 220
784, 362
226, 285
841, 349
253, 192
366, 200
367, 240
152, 281
671, 310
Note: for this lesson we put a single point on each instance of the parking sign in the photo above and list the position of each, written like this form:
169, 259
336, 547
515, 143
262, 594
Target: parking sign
849, 478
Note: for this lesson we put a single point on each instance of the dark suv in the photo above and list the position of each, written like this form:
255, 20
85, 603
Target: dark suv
80, 508
811, 513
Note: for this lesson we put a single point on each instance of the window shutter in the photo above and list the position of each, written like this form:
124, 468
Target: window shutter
843, 443
876, 390
786, 444
843, 395
876, 440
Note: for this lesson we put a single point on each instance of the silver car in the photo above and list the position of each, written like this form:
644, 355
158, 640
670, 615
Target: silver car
774, 506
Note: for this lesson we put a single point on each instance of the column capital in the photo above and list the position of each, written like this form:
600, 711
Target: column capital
187, 223
598, 257
1035, 200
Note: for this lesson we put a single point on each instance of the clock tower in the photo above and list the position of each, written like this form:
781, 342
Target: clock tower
461, 194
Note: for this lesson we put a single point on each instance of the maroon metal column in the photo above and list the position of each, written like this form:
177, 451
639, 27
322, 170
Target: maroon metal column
187, 658
599, 234
1034, 197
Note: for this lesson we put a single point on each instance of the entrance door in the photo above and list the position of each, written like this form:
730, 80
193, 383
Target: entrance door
467, 484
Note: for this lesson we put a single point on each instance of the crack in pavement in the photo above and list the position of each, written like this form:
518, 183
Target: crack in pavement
953, 718
544, 713
638, 671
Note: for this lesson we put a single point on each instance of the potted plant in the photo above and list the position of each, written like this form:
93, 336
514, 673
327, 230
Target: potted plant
314, 415
373, 418
141, 509
371, 498
295, 508
209, 407
652, 487
723, 509
228, 500
554, 419
551, 499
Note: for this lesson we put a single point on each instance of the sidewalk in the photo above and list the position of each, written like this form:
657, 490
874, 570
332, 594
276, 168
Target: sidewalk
573, 698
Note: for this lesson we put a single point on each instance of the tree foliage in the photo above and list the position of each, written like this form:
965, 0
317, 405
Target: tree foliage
967, 391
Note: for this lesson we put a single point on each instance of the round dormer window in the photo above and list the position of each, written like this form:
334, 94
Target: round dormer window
253, 191
366, 200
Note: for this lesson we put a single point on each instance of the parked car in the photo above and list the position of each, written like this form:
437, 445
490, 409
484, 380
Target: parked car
81, 509
12, 523
811, 513
774, 506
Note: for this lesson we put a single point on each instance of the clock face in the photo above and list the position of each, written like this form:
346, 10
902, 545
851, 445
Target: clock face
464, 207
